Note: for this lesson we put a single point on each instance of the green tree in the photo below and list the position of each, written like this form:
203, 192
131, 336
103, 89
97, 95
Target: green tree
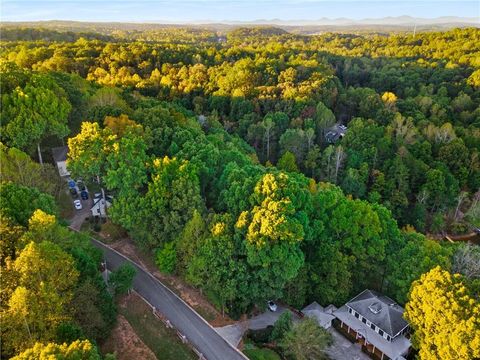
273, 233
17, 167
122, 279
188, 242
87, 152
287, 162
306, 341
324, 118
33, 112
80, 349
172, 196
127, 165
19, 202
10, 239
282, 326
418, 256
46, 279
166, 258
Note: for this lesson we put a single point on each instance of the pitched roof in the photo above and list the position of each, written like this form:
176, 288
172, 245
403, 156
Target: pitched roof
394, 349
317, 312
60, 153
379, 310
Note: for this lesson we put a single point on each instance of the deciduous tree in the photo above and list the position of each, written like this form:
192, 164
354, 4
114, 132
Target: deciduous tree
436, 301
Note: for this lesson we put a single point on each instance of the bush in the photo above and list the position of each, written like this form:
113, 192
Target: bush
113, 231
68, 332
167, 258
261, 354
122, 278
260, 336
281, 326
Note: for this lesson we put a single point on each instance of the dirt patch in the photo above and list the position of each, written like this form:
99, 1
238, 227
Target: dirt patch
189, 294
162, 341
125, 343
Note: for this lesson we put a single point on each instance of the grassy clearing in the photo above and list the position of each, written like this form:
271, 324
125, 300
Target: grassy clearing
261, 354
112, 232
65, 204
205, 313
255, 353
162, 341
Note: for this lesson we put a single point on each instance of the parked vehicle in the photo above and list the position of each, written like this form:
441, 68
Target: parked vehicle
84, 195
78, 204
81, 185
74, 193
272, 306
71, 184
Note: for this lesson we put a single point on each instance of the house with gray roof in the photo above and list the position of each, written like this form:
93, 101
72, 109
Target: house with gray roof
323, 316
335, 133
59, 155
376, 322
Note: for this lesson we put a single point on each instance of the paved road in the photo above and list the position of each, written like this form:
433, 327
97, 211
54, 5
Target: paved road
182, 317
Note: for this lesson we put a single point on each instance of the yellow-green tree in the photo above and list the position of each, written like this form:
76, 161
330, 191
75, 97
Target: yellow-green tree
87, 152
46, 277
80, 349
121, 124
445, 317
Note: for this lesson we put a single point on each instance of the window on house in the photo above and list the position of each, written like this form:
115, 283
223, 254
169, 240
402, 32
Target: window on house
380, 332
349, 310
388, 337
372, 326
356, 315
364, 320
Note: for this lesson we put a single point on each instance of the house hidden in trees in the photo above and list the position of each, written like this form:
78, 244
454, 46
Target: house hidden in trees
375, 322
60, 157
100, 205
335, 133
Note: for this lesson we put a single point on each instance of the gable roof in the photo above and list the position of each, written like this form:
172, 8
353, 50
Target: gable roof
317, 312
60, 153
379, 310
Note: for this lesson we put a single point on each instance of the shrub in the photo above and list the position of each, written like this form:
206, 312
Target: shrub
281, 326
260, 336
167, 258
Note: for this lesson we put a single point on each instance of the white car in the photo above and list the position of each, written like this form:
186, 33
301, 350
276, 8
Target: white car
78, 204
272, 306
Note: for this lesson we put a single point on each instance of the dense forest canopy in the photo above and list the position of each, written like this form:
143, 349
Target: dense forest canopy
215, 151
411, 103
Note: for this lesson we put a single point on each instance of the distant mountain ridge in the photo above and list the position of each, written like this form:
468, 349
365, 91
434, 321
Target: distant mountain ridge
301, 27
397, 20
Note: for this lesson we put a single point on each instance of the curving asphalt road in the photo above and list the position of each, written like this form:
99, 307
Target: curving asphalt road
183, 317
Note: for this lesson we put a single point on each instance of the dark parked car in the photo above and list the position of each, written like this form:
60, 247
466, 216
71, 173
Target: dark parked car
81, 185
84, 195
71, 184
74, 193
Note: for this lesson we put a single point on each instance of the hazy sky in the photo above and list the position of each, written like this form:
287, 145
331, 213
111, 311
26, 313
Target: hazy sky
230, 10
